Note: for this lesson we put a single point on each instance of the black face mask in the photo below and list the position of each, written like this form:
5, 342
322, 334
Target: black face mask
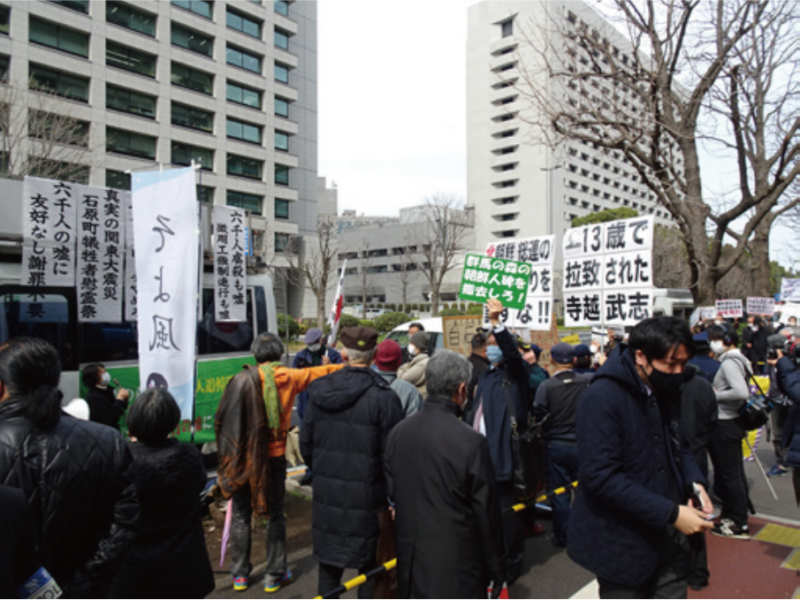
667, 386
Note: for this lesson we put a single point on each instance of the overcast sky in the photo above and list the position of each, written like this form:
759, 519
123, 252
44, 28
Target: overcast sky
392, 105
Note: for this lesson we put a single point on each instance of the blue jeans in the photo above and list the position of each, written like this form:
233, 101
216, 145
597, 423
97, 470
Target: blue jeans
561, 468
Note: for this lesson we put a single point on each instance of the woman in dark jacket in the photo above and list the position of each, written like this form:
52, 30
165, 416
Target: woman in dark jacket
105, 406
76, 475
169, 557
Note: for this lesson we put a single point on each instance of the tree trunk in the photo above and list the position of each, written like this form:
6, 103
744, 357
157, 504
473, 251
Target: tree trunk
759, 257
321, 310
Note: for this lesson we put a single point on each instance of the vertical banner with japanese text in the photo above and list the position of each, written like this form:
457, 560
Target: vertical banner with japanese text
101, 222
539, 252
229, 267
608, 273
130, 263
166, 236
49, 210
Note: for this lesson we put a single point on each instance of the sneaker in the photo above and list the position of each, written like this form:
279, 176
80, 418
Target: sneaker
727, 528
777, 471
285, 580
240, 584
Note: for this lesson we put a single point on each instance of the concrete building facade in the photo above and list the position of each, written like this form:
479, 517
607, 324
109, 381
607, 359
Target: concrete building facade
519, 186
231, 85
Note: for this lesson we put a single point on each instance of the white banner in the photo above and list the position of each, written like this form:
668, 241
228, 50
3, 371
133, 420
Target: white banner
166, 236
130, 264
540, 253
101, 221
229, 267
601, 259
49, 232
790, 290
760, 306
729, 309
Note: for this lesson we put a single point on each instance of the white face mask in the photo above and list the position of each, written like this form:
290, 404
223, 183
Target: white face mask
718, 322
754, 327
106, 378
412, 349
717, 346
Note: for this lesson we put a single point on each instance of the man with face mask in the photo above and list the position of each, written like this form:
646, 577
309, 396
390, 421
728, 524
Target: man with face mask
105, 405
632, 512
754, 342
440, 477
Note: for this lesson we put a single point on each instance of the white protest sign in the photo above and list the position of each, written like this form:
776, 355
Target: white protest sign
729, 309
760, 306
49, 232
229, 267
608, 273
790, 290
540, 253
166, 236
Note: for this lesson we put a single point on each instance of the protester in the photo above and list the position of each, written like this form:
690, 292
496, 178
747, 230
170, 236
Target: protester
251, 424
502, 389
79, 481
754, 342
698, 420
708, 344
315, 354
168, 558
583, 360
480, 364
348, 417
631, 512
388, 357
414, 371
556, 403
440, 477
105, 407
19, 552
789, 382
731, 385
777, 416
536, 372
412, 329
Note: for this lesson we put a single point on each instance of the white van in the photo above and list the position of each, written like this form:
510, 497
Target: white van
433, 327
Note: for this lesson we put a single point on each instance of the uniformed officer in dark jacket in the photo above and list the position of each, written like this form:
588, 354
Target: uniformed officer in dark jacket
449, 542
631, 514
348, 417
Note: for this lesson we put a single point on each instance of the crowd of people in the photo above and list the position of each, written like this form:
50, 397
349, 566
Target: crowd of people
427, 448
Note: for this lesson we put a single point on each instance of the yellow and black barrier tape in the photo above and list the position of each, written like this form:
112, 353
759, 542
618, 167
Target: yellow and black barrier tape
388, 566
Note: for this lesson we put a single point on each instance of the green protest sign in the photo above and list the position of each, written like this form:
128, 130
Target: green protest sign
485, 277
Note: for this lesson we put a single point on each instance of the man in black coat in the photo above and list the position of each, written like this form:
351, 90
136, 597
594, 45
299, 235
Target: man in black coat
439, 473
347, 420
754, 342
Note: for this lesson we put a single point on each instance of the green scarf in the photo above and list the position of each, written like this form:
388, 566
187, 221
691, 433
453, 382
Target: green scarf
270, 392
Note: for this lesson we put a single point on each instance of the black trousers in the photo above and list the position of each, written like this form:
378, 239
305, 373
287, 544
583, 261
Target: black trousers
513, 532
330, 577
725, 449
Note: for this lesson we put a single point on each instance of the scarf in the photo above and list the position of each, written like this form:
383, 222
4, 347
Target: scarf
270, 394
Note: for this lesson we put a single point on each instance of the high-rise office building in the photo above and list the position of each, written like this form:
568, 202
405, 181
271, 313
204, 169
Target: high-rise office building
518, 185
231, 85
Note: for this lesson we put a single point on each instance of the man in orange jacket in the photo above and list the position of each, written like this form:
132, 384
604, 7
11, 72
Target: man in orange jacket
251, 424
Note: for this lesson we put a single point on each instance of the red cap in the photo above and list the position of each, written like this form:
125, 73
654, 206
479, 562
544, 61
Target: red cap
389, 356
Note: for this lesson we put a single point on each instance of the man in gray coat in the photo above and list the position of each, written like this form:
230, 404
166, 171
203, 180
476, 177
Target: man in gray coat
388, 358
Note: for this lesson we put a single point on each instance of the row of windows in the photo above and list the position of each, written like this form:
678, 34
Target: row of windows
56, 36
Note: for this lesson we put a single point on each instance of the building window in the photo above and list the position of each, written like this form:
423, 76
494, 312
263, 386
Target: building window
281, 107
281, 209
194, 118
244, 60
129, 17
55, 36
243, 95
281, 73
204, 8
76, 5
246, 132
249, 202
192, 40
205, 194
281, 39
118, 180
56, 169
128, 101
246, 25
281, 175
187, 77
4, 63
128, 142
282, 7
245, 167
282, 242
128, 59
281, 141
4, 14
60, 129
60, 83
184, 154
378, 269
507, 28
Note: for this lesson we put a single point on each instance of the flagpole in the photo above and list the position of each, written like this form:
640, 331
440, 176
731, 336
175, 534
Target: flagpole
336, 309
